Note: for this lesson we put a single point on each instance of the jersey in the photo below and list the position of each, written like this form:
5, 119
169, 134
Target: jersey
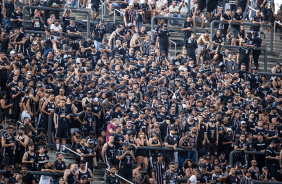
8, 151
85, 173
211, 133
61, 122
112, 180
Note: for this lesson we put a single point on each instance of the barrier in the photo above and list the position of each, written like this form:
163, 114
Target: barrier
58, 9
121, 178
115, 14
174, 47
38, 173
276, 22
232, 153
270, 74
245, 23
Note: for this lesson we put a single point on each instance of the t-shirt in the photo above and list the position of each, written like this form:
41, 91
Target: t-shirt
193, 179
28, 178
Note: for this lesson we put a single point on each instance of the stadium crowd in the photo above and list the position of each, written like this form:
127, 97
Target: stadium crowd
124, 100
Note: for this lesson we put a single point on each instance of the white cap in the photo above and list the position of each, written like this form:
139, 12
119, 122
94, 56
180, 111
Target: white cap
29, 72
13, 52
96, 100
131, 4
229, 129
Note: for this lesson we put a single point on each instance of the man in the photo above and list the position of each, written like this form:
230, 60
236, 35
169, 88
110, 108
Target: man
19, 178
70, 175
237, 17
212, 138
187, 28
84, 171
240, 145
247, 178
8, 143
171, 177
193, 179
245, 56
197, 15
191, 47
257, 19
48, 109
95, 7
21, 145
232, 177
112, 178
255, 79
61, 124
99, 34
109, 153
129, 15
66, 18
170, 142
163, 40
27, 177
174, 12
125, 157
87, 120
218, 176
272, 160
8, 9
137, 172
159, 169
45, 179
59, 166
17, 18
29, 158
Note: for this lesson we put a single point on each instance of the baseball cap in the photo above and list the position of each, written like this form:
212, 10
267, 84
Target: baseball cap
29, 73
95, 100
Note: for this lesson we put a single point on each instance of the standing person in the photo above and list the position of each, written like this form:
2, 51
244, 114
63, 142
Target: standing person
21, 145
125, 157
170, 141
193, 179
59, 167
45, 179
232, 177
159, 169
9, 8
191, 47
95, 9
174, 12
111, 128
272, 160
237, 17
29, 158
27, 177
257, 19
61, 124
67, 18
129, 15
17, 18
112, 178
256, 53
212, 138
4, 68
163, 40
99, 33
171, 177
8, 143
245, 56
108, 152
70, 175
187, 28
48, 109
84, 171
87, 120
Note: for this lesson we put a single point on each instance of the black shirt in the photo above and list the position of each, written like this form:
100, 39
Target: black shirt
163, 36
187, 34
28, 178
99, 33
16, 15
237, 16
10, 8
244, 54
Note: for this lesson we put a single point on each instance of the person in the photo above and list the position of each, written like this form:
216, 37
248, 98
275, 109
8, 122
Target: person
212, 138
247, 178
271, 160
163, 40
129, 15
83, 171
46, 168
27, 177
170, 142
9, 144
192, 47
99, 34
108, 152
187, 28
61, 124
21, 145
17, 18
70, 175
257, 19
232, 178
170, 175
174, 12
193, 179
112, 178
237, 17
59, 167
125, 159
244, 56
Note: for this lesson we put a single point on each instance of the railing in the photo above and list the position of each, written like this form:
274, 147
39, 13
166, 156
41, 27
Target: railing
38, 173
174, 47
245, 23
58, 9
121, 178
74, 152
259, 48
270, 74
115, 14
276, 22
102, 9
232, 153
170, 149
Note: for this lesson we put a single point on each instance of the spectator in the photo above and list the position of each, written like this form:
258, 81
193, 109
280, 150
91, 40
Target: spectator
257, 19
163, 40
129, 15
67, 19
17, 18
99, 34
8, 10
197, 15
238, 18
27, 177
174, 12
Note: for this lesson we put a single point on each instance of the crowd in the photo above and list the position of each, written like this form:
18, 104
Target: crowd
125, 100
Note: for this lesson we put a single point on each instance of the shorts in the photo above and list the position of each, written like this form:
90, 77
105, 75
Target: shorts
8, 160
61, 133
74, 130
198, 19
211, 6
44, 123
95, 8
235, 32
126, 172
110, 162
212, 149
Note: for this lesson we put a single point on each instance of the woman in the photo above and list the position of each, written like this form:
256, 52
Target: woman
154, 142
241, 34
61, 181
4, 106
135, 42
277, 84
188, 168
142, 155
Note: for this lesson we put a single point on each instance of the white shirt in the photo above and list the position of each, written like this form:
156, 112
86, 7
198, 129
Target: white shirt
56, 28
44, 179
193, 179
175, 9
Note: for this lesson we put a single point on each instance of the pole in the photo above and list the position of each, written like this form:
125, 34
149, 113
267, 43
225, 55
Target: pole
50, 144
71, 150
122, 178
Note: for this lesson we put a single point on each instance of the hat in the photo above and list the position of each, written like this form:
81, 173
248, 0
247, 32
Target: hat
160, 155
131, 4
89, 92
88, 105
255, 68
91, 132
260, 133
242, 122
172, 128
13, 52
264, 168
29, 73
125, 143
90, 141
229, 129
165, 25
105, 39
117, 105
78, 62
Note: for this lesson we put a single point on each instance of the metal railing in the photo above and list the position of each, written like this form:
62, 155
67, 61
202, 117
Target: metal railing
102, 9
121, 177
259, 48
270, 74
115, 14
232, 153
38, 173
174, 47
244, 23
276, 22
58, 9
70, 150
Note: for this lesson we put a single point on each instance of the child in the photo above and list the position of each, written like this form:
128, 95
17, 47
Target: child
229, 35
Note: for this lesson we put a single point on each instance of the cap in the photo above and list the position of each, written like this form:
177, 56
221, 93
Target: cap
88, 105
242, 122
29, 73
165, 25
125, 143
160, 155
90, 141
78, 62
260, 133
255, 68
91, 132
131, 4
96, 100
229, 129
105, 39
